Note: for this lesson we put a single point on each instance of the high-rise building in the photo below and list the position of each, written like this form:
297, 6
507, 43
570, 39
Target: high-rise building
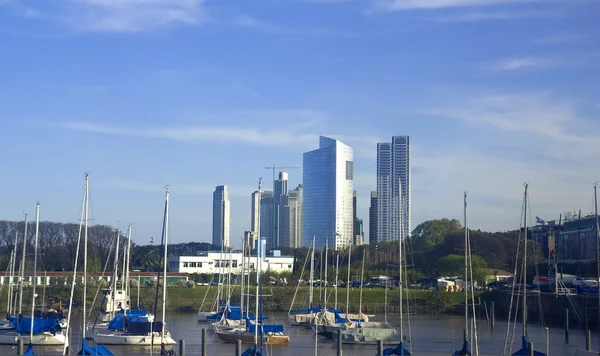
327, 202
281, 192
254, 220
292, 218
373, 219
393, 189
357, 226
221, 215
266, 218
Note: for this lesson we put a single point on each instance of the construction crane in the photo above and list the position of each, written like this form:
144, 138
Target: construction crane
275, 211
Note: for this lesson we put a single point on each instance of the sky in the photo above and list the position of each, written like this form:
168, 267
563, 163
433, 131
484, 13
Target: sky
195, 94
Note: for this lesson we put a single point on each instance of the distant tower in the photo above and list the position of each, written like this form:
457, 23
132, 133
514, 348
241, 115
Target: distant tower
221, 216
292, 218
393, 189
328, 185
373, 219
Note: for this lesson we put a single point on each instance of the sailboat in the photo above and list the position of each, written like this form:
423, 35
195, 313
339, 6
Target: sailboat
33, 330
248, 334
10, 322
367, 333
525, 350
134, 329
466, 348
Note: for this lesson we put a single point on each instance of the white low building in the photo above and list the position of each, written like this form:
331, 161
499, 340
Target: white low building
216, 262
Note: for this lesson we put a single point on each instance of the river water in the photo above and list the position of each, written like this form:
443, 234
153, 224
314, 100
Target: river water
431, 336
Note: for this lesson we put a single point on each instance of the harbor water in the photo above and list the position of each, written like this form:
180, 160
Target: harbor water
430, 336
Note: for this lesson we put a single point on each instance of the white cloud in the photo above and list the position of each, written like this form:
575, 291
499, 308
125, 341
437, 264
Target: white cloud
399, 5
523, 63
496, 15
562, 38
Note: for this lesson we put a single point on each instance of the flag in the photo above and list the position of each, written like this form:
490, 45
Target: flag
539, 221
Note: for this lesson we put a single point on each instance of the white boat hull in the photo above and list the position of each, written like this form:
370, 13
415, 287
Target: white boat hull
10, 338
203, 316
121, 338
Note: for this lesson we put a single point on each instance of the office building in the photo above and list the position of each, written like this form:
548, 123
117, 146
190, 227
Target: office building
327, 196
267, 216
576, 241
373, 219
292, 218
221, 216
357, 227
393, 189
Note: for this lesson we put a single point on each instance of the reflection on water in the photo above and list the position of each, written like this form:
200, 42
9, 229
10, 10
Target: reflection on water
431, 336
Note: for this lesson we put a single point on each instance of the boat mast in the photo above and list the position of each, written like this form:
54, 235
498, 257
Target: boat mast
115, 276
466, 269
326, 263
81, 216
124, 297
13, 257
85, 246
400, 215
164, 324
597, 248
23, 256
525, 262
35, 249
335, 285
312, 275
348, 283
127, 267
242, 282
362, 281
257, 318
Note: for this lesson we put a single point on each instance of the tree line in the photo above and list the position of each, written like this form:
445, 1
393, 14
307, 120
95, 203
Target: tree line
434, 249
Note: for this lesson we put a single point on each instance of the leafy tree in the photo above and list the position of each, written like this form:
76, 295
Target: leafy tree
438, 301
433, 232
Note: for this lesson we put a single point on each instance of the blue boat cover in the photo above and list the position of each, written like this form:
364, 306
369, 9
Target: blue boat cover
29, 350
252, 352
399, 350
339, 319
465, 351
266, 328
525, 349
95, 350
39, 325
312, 309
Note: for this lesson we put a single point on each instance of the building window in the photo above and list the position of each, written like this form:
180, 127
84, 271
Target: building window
200, 264
289, 266
234, 263
185, 264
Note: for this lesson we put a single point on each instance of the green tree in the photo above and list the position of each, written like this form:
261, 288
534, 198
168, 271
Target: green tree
433, 232
438, 301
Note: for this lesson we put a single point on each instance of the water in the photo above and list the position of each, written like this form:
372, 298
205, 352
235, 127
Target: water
431, 336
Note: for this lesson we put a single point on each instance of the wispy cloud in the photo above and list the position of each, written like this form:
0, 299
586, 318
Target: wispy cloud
175, 187
270, 28
497, 15
218, 134
522, 63
549, 122
400, 5
562, 38
116, 15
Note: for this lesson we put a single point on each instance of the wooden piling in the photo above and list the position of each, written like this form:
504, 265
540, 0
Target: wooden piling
181, 347
203, 342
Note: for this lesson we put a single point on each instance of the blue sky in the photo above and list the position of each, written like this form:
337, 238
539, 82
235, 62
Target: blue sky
191, 93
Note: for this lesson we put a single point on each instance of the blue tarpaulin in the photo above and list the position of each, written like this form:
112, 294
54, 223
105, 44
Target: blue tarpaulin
399, 350
29, 351
95, 350
525, 349
266, 328
251, 352
39, 325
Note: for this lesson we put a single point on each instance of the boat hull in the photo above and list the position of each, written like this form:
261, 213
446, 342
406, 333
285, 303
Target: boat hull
120, 338
11, 338
247, 338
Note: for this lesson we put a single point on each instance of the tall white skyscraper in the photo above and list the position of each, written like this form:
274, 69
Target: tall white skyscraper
221, 216
327, 194
393, 189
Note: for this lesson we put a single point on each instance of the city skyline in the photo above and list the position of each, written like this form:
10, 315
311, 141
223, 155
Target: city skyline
494, 94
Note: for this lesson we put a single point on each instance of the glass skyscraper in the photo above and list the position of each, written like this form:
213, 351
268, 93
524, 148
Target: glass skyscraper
393, 189
221, 216
327, 213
